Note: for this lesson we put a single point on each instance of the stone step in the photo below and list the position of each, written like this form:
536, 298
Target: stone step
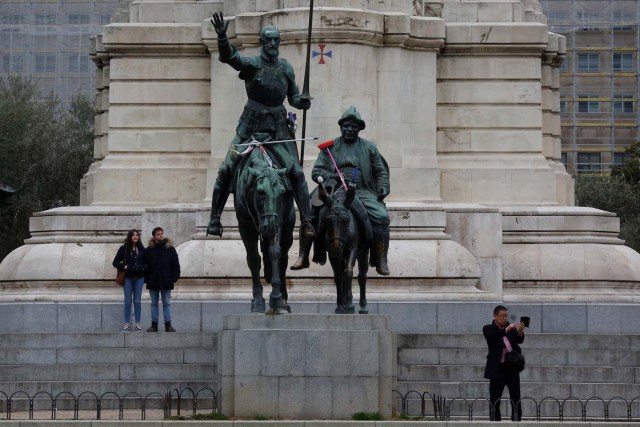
106, 339
541, 341
551, 374
109, 372
534, 357
133, 356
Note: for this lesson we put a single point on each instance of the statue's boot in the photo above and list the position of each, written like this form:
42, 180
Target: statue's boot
381, 249
218, 200
301, 195
303, 256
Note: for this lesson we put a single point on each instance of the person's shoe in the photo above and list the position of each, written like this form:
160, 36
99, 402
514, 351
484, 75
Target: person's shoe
215, 227
154, 327
168, 327
126, 328
138, 328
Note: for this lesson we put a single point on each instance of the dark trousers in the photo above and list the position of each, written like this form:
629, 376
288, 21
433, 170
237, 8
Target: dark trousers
496, 387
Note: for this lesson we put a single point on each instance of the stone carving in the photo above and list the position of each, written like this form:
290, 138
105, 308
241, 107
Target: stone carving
264, 208
268, 81
346, 242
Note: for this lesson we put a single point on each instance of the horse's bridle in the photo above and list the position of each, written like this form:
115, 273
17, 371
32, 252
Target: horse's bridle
261, 215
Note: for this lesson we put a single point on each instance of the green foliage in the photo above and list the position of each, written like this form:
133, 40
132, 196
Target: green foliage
619, 193
211, 416
367, 416
44, 151
630, 172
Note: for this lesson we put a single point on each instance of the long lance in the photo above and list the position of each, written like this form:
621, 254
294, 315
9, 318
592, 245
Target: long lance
305, 87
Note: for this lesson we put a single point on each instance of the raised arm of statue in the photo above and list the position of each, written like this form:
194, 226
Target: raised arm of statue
220, 25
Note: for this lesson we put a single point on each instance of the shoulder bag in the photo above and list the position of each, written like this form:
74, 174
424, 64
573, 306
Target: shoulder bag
120, 275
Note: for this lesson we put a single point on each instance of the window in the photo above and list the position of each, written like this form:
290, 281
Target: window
621, 20
45, 63
586, 105
78, 19
105, 19
622, 62
589, 162
589, 62
623, 104
12, 63
46, 19
587, 18
13, 19
563, 106
563, 158
78, 63
619, 159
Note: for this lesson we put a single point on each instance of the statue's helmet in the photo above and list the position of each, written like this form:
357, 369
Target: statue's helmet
354, 115
269, 30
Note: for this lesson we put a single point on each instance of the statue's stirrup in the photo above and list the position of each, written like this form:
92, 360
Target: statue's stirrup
306, 228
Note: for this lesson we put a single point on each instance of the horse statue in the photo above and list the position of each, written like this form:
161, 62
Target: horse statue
345, 244
263, 203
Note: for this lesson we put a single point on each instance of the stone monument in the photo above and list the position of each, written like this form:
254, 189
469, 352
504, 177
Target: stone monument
462, 98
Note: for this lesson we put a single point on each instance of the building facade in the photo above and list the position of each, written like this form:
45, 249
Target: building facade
599, 80
49, 42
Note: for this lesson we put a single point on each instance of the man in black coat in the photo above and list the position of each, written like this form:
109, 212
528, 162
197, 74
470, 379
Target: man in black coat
502, 337
162, 271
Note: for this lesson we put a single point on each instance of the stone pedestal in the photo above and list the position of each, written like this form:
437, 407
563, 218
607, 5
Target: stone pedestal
306, 366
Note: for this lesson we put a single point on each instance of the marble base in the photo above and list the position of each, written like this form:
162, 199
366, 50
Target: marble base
306, 366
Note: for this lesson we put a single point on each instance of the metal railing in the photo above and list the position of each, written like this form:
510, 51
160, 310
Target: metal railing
63, 401
470, 408
425, 405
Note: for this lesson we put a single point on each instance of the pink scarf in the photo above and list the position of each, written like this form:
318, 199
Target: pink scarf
507, 348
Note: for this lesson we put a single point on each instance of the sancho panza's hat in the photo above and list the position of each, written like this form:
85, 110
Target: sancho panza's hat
352, 114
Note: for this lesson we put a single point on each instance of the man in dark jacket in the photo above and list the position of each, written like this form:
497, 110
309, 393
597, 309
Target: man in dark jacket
502, 337
161, 274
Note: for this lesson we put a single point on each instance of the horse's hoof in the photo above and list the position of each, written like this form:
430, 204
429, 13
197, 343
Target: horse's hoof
363, 311
287, 308
340, 310
350, 310
277, 301
258, 305
276, 311
214, 228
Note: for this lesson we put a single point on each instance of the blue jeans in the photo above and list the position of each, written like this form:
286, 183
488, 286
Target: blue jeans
132, 293
166, 304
